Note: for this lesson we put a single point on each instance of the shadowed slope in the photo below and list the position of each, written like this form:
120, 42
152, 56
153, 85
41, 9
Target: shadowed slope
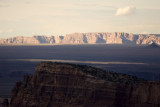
69, 85
153, 45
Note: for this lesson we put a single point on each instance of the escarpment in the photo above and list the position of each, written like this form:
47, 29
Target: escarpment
87, 38
69, 85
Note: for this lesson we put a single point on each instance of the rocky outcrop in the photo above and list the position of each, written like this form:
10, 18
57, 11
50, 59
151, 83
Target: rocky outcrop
68, 85
87, 38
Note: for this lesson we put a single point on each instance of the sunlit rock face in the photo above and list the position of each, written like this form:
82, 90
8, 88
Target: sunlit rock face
69, 85
87, 38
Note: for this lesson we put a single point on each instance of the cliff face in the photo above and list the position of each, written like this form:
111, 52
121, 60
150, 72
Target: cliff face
87, 38
67, 85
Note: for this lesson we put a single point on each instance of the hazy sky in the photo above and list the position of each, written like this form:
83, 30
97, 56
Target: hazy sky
60, 17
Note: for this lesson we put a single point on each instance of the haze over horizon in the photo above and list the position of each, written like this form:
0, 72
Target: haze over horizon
60, 17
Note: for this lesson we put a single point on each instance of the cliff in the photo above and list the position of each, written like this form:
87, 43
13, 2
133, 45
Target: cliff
87, 38
69, 85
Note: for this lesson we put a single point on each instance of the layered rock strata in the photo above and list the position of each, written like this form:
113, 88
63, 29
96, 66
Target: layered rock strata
87, 38
68, 85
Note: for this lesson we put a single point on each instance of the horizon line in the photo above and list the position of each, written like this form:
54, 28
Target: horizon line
79, 33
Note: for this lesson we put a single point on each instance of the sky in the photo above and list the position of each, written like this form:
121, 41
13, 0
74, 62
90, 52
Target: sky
60, 17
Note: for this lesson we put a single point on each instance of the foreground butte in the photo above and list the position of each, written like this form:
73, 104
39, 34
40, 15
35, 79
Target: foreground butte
70, 85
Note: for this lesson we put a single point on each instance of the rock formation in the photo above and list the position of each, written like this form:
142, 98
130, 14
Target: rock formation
153, 45
87, 38
5, 103
68, 85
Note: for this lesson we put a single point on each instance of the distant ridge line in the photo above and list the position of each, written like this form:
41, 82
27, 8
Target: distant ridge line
87, 38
